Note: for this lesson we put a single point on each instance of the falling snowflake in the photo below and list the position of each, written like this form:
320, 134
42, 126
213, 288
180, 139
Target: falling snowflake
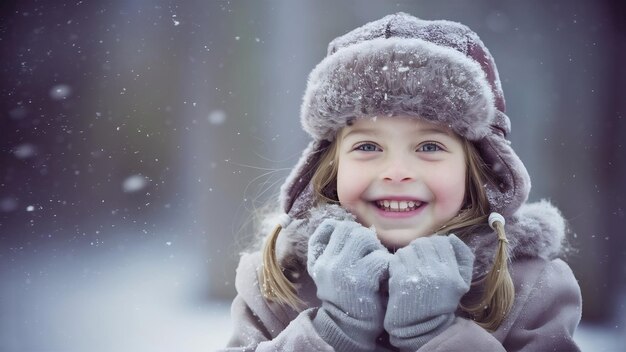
217, 117
60, 92
134, 183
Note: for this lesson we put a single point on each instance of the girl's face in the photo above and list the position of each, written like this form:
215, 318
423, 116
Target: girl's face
404, 177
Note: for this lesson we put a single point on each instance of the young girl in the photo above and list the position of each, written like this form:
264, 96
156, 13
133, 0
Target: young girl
405, 224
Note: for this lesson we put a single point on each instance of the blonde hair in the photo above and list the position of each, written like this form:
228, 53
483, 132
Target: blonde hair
497, 286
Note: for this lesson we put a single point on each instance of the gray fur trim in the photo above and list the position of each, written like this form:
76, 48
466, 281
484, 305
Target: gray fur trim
293, 241
535, 230
512, 185
296, 194
398, 76
440, 32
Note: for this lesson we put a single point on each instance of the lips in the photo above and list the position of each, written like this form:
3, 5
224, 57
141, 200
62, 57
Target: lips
392, 205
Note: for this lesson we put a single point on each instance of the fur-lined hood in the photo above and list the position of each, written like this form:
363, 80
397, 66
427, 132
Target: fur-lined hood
535, 230
400, 65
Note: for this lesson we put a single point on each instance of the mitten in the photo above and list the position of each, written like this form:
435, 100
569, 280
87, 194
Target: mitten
347, 263
427, 279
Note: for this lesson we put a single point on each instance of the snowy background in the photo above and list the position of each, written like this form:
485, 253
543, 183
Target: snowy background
136, 138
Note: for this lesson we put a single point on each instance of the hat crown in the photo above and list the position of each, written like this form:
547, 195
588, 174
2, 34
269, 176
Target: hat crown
440, 32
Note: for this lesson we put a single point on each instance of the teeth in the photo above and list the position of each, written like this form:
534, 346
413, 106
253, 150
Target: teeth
398, 206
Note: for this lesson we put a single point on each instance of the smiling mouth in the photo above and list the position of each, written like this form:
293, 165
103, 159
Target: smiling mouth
398, 206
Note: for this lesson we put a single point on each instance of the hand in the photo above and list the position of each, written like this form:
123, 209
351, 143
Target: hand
347, 263
427, 279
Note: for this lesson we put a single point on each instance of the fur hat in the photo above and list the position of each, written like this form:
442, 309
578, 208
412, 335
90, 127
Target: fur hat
438, 71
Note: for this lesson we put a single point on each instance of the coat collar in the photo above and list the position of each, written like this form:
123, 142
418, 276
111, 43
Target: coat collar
535, 230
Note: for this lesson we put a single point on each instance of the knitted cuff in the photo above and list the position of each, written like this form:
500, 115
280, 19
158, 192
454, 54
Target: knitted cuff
338, 334
412, 338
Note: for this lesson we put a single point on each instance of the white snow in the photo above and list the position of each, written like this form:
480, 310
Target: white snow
134, 183
146, 297
25, 151
217, 117
60, 92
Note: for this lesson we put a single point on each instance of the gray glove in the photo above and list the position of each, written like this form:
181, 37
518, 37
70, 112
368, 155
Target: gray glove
348, 263
427, 279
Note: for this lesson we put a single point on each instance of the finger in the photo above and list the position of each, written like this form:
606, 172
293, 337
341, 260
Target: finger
319, 240
362, 241
464, 258
442, 249
415, 254
464, 255
376, 265
339, 237
401, 262
426, 257
323, 232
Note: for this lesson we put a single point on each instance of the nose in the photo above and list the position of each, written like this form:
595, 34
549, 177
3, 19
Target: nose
398, 169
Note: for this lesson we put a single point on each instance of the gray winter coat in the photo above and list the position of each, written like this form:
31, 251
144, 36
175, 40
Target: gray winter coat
546, 310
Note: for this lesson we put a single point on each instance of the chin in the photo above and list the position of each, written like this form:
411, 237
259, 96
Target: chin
396, 239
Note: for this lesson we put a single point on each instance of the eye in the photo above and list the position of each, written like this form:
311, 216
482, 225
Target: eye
367, 147
429, 147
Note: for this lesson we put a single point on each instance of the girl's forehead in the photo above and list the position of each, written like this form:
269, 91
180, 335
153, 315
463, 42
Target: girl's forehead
402, 123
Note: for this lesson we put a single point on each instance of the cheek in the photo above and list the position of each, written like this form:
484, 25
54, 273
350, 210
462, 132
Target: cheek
455, 197
450, 191
350, 183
